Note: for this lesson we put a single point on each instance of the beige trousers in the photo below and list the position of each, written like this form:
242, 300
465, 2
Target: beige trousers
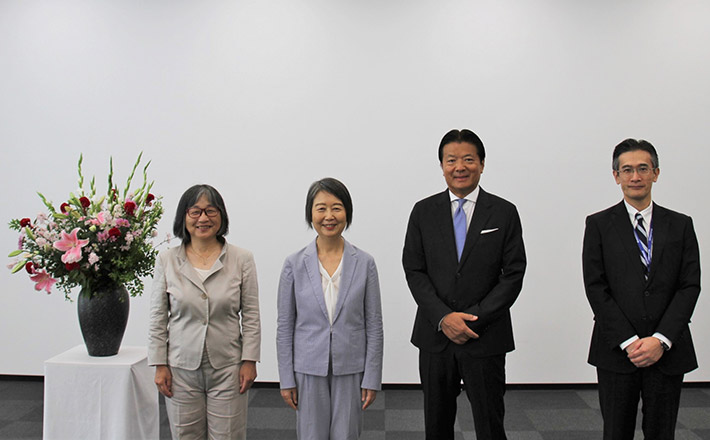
206, 403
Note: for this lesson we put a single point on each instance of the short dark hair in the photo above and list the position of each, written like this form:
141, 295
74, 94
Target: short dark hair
463, 135
332, 186
188, 199
633, 145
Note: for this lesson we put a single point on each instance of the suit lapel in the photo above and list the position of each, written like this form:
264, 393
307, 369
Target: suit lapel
660, 224
481, 214
347, 271
442, 217
310, 261
624, 229
188, 271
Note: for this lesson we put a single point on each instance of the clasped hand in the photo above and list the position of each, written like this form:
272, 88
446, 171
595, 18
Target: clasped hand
645, 352
455, 328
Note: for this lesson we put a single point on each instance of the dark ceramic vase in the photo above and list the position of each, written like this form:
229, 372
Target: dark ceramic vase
103, 315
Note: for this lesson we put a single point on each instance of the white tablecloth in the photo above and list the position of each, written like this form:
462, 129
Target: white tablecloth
110, 397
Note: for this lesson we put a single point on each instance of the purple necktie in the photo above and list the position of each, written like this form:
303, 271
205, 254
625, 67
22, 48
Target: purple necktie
460, 227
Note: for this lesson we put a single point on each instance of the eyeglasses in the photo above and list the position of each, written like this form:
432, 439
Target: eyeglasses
642, 170
197, 212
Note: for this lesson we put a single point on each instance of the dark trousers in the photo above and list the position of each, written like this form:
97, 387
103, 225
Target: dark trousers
484, 382
619, 398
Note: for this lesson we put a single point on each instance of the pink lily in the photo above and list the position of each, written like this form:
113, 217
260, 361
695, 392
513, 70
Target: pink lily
71, 245
43, 280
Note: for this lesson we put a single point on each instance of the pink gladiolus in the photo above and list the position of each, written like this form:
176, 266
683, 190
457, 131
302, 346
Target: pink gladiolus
71, 245
43, 280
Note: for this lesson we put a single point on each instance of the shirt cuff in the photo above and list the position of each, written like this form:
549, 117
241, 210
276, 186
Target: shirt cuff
628, 342
663, 338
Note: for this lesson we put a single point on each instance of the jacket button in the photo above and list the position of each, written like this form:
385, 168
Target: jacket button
647, 293
204, 296
643, 317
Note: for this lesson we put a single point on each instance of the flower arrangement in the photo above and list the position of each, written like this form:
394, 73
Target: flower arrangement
92, 241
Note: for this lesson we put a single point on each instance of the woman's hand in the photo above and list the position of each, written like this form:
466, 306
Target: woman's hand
368, 396
247, 374
290, 396
164, 380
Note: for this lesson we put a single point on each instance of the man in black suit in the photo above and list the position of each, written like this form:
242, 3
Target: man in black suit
642, 277
464, 261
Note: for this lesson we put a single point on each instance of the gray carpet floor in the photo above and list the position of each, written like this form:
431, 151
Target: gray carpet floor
531, 414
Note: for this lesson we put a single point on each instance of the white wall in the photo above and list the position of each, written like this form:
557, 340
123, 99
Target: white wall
261, 98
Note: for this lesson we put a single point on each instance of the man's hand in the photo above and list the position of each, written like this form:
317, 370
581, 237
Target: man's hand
645, 352
454, 327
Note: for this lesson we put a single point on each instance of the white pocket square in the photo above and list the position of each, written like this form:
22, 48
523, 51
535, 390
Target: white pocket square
488, 231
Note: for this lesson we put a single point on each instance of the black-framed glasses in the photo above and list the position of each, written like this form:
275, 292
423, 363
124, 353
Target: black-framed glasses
197, 212
642, 170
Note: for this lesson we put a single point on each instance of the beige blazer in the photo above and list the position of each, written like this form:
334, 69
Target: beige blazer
188, 315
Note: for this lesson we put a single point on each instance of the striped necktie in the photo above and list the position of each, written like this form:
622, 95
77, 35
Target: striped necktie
642, 240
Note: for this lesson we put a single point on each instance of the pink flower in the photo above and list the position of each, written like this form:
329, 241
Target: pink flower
129, 207
43, 280
122, 223
102, 236
71, 245
93, 258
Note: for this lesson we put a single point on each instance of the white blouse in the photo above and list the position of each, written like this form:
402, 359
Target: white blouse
331, 287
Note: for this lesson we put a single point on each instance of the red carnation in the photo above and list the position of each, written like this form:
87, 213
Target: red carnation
130, 207
114, 194
149, 199
114, 232
63, 207
30, 267
71, 266
85, 202
25, 222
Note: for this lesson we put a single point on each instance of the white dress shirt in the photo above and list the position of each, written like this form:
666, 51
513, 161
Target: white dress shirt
647, 215
468, 206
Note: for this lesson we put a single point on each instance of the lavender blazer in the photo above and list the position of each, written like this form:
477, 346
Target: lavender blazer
305, 338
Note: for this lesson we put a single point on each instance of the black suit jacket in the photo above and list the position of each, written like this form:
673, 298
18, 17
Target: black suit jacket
624, 303
485, 283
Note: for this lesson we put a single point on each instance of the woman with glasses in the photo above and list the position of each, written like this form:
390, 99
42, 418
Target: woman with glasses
329, 334
204, 337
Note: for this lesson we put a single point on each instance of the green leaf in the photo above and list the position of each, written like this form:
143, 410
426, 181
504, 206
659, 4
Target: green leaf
15, 253
19, 266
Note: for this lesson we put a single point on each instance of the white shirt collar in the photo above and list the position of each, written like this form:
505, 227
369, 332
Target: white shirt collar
646, 213
471, 197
